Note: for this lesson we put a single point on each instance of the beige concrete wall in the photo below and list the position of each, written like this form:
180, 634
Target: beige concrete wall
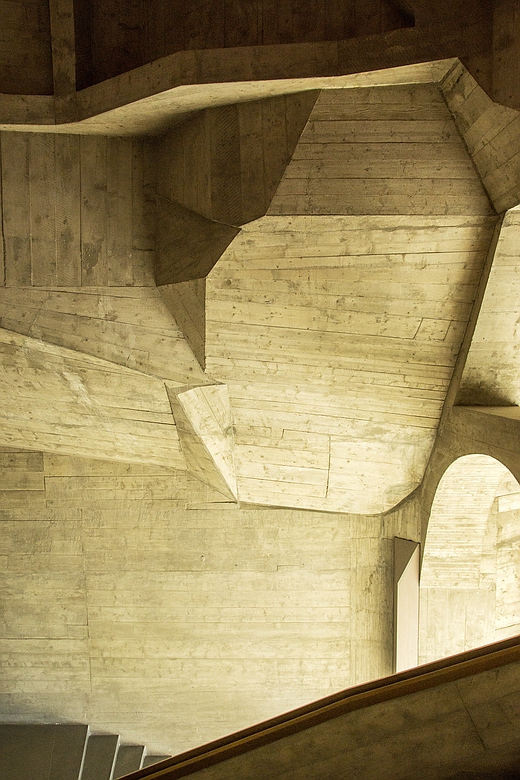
441, 724
507, 616
139, 603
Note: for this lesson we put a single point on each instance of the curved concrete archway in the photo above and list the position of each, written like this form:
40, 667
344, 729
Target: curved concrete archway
470, 579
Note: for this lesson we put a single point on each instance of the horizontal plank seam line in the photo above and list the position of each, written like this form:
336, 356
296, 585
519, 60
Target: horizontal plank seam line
413, 683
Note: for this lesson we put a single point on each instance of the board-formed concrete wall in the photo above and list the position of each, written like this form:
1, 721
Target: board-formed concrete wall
141, 603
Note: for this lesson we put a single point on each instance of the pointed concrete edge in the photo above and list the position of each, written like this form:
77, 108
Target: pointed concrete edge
100, 756
187, 302
205, 427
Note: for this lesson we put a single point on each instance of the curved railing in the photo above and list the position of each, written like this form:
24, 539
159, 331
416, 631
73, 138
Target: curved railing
385, 689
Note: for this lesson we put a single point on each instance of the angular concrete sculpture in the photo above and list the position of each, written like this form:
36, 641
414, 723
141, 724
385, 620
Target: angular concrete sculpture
205, 427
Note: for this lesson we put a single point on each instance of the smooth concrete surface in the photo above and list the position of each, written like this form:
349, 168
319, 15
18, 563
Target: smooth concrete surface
100, 757
128, 759
50, 752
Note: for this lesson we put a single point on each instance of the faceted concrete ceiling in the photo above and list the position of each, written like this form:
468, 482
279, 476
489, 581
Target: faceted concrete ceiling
320, 253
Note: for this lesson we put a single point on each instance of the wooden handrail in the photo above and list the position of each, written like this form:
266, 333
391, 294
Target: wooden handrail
384, 689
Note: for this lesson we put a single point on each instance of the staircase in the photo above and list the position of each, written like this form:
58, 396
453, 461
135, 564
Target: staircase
453, 719
66, 752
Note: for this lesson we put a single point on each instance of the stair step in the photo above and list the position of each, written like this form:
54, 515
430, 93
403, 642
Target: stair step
100, 757
149, 760
29, 750
129, 759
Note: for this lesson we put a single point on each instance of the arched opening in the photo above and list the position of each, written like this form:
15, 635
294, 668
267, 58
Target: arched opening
470, 578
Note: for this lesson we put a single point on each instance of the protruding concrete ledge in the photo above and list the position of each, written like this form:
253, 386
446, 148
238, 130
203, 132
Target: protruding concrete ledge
284, 61
153, 98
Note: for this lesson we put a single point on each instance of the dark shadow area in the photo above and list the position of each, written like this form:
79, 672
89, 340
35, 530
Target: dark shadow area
483, 394
114, 37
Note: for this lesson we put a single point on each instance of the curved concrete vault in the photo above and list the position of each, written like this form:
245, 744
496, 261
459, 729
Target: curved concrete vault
469, 584
320, 253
